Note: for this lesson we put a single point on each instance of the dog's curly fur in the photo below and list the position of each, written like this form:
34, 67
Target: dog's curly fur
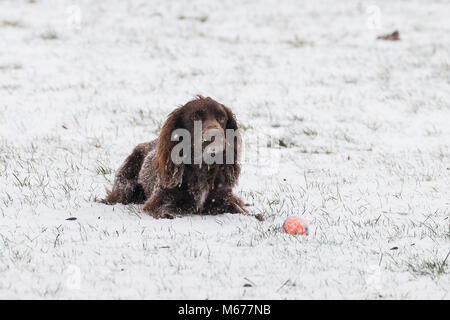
168, 190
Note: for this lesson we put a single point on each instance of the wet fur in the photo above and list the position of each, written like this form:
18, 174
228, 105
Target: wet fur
167, 190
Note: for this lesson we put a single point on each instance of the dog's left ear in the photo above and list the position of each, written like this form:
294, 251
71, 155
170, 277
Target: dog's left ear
169, 173
231, 123
232, 170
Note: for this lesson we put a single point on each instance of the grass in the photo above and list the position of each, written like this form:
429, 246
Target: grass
433, 268
49, 34
11, 23
348, 142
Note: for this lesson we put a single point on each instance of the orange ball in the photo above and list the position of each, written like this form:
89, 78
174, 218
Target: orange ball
295, 225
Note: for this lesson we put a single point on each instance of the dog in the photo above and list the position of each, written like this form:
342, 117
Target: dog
169, 188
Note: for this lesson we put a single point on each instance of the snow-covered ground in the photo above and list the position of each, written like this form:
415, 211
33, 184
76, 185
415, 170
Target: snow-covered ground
358, 131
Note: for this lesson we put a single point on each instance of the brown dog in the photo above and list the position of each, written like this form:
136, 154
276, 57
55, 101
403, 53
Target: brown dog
150, 176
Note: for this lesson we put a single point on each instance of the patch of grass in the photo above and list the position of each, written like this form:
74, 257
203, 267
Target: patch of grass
144, 117
298, 43
282, 143
310, 132
296, 118
200, 18
21, 181
433, 268
49, 34
103, 169
11, 24
316, 151
432, 132
271, 231
245, 127
11, 66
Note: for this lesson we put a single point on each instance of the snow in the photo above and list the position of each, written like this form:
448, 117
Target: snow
365, 155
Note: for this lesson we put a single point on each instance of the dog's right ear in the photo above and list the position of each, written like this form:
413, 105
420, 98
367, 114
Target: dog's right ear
168, 172
233, 170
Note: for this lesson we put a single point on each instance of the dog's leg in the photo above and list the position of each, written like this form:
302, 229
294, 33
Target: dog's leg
160, 206
226, 202
126, 188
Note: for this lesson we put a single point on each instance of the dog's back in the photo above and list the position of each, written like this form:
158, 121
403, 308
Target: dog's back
131, 183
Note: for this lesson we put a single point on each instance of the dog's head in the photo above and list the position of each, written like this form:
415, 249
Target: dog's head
213, 139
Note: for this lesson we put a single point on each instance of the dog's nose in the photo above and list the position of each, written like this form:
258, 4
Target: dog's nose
214, 137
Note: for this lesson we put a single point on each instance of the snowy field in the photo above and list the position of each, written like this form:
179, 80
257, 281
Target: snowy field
355, 138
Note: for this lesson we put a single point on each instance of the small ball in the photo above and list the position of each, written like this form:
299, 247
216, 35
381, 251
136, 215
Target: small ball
295, 225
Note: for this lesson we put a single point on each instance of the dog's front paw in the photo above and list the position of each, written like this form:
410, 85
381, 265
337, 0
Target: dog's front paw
237, 207
259, 216
160, 213
165, 215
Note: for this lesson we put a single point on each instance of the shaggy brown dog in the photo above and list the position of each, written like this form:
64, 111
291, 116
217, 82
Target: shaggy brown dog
168, 189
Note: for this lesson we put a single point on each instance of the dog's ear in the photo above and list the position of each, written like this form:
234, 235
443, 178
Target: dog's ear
231, 123
169, 173
232, 170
